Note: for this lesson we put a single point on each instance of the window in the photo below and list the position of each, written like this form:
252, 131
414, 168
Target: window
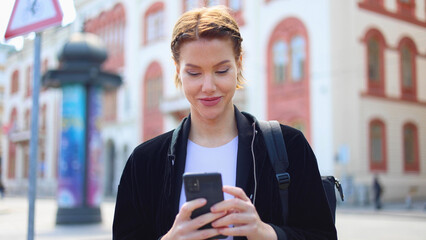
154, 23
29, 81
375, 62
411, 151
280, 61
14, 86
297, 58
27, 120
408, 52
288, 85
153, 92
407, 8
377, 146
292, 59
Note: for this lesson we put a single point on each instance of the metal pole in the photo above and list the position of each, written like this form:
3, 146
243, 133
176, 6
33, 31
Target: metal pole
34, 138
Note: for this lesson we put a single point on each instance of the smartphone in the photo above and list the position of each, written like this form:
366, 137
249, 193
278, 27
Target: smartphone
203, 185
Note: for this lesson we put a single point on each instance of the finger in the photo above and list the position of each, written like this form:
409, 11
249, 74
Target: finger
237, 231
231, 205
236, 192
205, 219
188, 207
235, 219
203, 234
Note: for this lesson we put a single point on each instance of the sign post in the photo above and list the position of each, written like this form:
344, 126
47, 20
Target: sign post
33, 16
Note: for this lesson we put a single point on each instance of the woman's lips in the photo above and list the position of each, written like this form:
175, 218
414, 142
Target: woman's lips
211, 101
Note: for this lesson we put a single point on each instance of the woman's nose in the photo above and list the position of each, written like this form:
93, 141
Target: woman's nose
208, 83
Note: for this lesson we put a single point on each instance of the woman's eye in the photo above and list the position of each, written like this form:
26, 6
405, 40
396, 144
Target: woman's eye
222, 71
193, 73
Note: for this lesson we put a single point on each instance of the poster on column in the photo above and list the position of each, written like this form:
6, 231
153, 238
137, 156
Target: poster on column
72, 155
95, 147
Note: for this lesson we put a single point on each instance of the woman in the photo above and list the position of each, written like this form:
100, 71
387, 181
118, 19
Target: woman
207, 52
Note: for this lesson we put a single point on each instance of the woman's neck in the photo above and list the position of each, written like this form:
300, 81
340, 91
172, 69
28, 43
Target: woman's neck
213, 133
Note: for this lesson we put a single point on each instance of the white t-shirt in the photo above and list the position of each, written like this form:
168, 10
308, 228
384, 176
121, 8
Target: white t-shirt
222, 159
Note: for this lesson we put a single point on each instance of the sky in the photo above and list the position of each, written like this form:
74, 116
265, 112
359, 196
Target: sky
6, 7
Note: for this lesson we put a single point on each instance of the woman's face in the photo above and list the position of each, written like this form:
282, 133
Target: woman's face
208, 72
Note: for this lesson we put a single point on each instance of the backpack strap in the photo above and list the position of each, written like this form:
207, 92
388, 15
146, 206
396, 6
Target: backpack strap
275, 145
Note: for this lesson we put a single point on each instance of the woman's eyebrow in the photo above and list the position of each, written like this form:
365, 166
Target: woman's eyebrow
196, 66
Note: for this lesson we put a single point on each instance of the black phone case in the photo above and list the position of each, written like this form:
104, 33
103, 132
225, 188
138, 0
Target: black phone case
203, 185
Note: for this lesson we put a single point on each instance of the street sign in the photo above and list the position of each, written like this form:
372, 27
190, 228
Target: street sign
33, 16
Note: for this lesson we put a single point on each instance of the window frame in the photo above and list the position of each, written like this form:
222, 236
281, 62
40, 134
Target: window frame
382, 165
151, 14
14, 82
375, 88
415, 166
409, 94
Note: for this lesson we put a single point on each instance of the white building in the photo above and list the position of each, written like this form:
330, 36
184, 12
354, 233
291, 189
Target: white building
350, 74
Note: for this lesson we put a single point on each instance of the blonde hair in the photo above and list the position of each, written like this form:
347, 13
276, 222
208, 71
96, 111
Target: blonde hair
208, 23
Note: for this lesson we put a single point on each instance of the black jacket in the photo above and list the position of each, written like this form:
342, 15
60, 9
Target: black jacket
150, 186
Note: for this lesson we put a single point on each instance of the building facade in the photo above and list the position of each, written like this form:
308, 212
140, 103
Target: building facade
349, 74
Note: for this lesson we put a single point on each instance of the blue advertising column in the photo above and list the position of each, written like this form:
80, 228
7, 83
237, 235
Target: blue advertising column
80, 163
73, 150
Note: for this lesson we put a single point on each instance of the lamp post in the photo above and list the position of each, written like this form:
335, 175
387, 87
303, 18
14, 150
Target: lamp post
82, 81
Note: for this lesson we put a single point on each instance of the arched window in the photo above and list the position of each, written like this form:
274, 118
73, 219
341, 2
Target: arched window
377, 146
411, 149
154, 23
288, 85
408, 52
153, 93
280, 61
375, 62
298, 58
14, 86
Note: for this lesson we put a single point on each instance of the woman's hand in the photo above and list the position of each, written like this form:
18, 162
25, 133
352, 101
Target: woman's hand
186, 228
242, 214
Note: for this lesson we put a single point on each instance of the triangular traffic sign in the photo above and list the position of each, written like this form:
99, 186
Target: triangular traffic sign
33, 16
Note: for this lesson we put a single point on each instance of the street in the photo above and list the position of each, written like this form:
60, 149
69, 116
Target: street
393, 222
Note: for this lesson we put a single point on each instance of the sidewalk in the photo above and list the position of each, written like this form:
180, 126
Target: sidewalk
418, 210
14, 222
